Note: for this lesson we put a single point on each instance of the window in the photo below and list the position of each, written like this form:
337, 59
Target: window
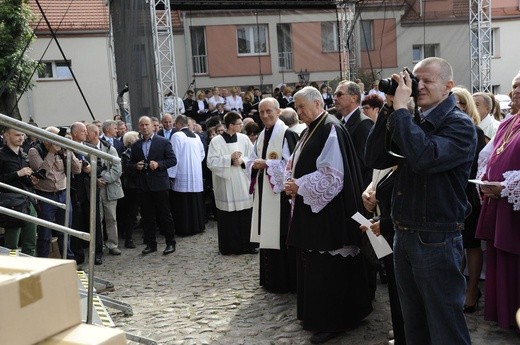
329, 37
367, 38
423, 51
198, 50
55, 70
495, 42
283, 32
252, 39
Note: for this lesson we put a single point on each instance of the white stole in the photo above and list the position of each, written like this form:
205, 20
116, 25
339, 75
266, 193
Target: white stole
269, 237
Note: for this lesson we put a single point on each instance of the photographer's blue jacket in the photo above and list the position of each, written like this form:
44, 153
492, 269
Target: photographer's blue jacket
429, 187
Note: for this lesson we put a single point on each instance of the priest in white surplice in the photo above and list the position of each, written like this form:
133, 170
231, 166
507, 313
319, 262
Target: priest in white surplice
227, 158
271, 210
188, 192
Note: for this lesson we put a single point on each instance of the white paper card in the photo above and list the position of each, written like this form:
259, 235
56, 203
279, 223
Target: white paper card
482, 183
381, 247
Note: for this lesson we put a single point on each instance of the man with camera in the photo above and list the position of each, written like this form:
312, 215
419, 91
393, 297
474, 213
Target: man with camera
15, 171
52, 158
151, 156
434, 150
110, 188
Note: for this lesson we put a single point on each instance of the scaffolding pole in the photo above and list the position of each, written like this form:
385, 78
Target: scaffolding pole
162, 33
347, 41
480, 45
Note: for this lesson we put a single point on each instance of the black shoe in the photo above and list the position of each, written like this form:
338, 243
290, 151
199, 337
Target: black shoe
323, 337
149, 250
470, 309
252, 251
98, 260
170, 248
129, 244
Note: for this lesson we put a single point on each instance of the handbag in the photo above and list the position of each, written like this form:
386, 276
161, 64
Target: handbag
15, 202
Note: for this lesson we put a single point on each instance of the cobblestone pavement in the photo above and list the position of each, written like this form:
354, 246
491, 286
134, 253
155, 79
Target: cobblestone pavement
197, 296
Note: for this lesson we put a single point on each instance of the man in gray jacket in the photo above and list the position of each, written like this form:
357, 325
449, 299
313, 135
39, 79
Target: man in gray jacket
110, 188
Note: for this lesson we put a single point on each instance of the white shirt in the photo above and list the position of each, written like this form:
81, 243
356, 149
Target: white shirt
489, 125
233, 103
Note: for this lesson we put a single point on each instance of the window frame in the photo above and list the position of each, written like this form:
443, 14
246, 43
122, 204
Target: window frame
368, 44
333, 36
435, 46
250, 37
57, 67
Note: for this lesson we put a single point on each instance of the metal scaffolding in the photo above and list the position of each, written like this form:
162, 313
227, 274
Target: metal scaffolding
347, 41
162, 32
480, 45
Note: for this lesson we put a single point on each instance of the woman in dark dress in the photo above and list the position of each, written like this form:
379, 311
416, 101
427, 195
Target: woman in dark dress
472, 245
381, 204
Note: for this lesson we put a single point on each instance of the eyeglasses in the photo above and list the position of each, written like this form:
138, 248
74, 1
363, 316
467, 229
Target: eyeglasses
366, 107
238, 124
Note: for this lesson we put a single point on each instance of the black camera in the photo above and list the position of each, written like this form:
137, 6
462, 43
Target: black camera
40, 174
389, 85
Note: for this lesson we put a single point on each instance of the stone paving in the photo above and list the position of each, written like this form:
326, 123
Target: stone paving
197, 296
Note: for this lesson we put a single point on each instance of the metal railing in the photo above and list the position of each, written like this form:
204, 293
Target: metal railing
200, 64
285, 61
70, 146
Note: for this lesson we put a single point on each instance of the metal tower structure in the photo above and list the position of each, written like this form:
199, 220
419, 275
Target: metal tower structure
347, 41
162, 33
480, 44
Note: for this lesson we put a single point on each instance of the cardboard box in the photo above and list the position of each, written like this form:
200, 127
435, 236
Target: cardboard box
38, 298
85, 334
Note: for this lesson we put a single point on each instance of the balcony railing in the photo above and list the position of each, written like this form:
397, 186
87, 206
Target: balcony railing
200, 64
285, 61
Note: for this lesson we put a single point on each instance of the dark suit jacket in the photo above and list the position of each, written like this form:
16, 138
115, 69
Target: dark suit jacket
191, 107
358, 126
160, 132
160, 151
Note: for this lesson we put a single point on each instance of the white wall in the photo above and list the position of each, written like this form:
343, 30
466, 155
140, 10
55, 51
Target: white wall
59, 102
506, 65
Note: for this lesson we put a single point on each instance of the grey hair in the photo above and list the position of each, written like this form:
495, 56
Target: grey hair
106, 124
310, 94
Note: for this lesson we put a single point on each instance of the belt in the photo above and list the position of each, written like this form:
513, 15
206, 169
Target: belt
50, 193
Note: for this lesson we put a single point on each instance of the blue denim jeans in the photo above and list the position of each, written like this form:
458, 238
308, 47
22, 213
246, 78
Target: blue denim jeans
55, 215
431, 287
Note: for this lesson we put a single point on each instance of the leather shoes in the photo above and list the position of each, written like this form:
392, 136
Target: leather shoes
170, 248
114, 251
98, 260
129, 244
323, 337
149, 250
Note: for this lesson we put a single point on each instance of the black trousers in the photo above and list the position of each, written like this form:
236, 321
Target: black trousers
155, 211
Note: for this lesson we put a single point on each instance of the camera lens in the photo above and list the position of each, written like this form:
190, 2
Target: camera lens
388, 86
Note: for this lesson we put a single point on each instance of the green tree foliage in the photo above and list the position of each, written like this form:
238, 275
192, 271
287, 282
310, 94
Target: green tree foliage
15, 33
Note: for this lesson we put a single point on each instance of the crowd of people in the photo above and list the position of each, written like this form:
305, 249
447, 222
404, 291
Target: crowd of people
282, 175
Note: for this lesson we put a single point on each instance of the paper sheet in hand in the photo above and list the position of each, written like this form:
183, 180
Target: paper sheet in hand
381, 247
481, 183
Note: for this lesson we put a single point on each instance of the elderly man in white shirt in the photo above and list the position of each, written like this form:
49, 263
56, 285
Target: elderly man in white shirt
487, 123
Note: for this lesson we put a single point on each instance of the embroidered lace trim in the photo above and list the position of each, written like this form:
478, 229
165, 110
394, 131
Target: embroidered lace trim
276, 173
320, 187
512, 188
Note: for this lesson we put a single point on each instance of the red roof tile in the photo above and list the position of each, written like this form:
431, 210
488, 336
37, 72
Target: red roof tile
70, 15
